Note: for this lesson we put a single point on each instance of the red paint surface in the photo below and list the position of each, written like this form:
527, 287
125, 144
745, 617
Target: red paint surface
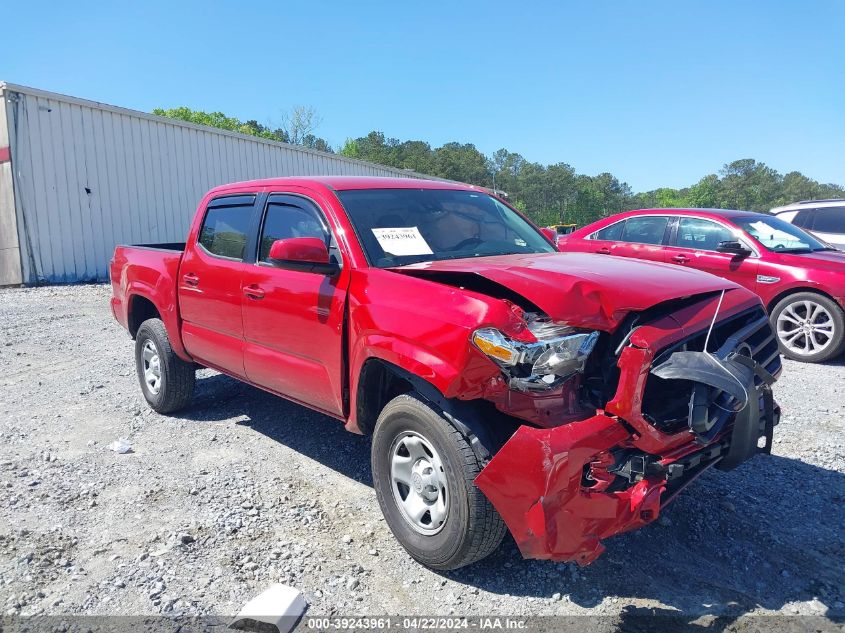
583, 290
535, 484
5, 154
822, 271
300, 249
307, 336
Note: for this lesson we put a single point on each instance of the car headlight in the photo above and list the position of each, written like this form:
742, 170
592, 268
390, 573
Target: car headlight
560, 352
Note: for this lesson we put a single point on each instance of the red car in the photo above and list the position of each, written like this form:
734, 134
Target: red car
800, 279
566, 396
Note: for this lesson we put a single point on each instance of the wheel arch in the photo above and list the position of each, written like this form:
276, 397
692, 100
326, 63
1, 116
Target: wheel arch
484, 426
796, 290
140, 308
141, 305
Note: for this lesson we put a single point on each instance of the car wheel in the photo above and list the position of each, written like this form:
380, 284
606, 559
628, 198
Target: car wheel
423, 473
166, 380
810, 327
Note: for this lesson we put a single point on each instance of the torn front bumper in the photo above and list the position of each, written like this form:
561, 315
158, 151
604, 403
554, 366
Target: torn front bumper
535, 482
561, 490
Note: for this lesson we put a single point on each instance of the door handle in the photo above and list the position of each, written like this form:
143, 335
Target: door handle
604, 250
253, 292
680, 259
191, 279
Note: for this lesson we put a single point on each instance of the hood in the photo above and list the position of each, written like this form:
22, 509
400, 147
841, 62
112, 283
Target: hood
582, 289
826, 260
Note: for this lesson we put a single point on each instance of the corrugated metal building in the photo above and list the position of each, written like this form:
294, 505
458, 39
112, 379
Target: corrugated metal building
78, 177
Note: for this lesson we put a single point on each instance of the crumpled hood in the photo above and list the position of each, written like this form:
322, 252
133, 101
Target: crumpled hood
582, 289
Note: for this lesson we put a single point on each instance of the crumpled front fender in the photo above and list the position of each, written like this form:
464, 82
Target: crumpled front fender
535, 483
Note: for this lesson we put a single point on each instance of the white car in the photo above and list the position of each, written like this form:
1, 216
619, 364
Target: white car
823, 218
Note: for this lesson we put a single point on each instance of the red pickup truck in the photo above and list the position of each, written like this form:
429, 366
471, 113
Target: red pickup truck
566, 397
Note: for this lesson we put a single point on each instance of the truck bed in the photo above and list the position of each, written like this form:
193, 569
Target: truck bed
163, 246
149, 271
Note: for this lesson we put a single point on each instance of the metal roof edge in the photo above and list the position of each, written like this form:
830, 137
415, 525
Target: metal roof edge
37, 92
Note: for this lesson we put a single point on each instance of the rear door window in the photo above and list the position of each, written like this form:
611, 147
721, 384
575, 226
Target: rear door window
612, 233
647, 229
829, 220
226, 225
803, 218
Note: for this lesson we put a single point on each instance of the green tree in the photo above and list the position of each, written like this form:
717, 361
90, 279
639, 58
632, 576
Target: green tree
750, 185
462, 162
705, 194
297, 127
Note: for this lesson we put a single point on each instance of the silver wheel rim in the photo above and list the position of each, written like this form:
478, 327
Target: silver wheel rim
152, 366
418, 481
805, 328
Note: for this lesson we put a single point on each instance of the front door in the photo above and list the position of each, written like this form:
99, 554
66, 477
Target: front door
695, 246
293, 320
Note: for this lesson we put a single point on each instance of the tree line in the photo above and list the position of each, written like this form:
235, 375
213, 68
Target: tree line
296, 126
549, 194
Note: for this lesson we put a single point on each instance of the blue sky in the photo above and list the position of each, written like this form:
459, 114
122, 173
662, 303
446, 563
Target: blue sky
657, 93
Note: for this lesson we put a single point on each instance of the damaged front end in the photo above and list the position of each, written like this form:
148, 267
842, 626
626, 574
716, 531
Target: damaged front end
674, 391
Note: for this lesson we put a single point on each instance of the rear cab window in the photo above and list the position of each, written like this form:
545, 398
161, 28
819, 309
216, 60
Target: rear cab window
225, 227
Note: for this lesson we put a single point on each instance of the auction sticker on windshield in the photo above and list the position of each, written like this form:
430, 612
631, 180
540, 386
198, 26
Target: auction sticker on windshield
402, 241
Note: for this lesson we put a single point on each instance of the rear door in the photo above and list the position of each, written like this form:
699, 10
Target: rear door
293, 320
644, 237
694, 245
210, 284
602, 242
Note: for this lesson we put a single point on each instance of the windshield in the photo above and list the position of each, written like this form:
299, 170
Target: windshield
405, 226
780, 236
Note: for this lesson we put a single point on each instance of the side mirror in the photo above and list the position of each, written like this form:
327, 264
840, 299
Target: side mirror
732, 247
306, 254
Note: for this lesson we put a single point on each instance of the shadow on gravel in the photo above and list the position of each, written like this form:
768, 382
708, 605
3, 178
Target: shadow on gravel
764, 535
317, 436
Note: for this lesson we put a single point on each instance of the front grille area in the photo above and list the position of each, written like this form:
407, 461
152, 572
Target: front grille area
666, 402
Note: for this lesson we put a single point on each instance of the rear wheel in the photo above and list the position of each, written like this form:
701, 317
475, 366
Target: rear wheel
423, 473
167, 381
810, 327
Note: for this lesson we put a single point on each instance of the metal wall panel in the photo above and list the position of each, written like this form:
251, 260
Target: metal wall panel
10, 252
88, 176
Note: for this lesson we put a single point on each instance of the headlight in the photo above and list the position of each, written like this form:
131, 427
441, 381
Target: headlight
560, 352
566, 355
496, 345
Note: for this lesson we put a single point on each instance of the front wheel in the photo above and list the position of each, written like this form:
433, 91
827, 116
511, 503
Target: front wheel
423, 474
166, 380
810, 327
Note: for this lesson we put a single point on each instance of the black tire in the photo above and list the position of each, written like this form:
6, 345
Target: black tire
176, 389
473, 528
837, 344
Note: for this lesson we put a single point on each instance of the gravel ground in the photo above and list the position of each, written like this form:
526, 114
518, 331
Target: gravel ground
246, 489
